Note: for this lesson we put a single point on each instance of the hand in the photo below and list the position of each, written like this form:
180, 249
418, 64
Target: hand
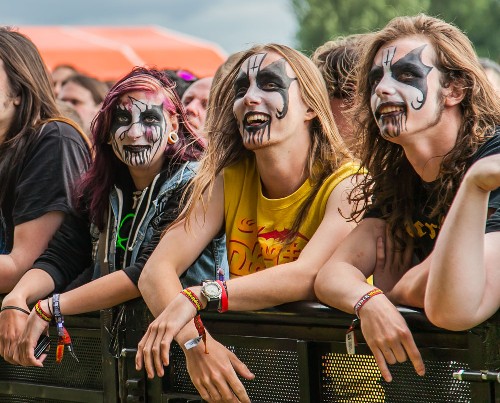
391, 263
12, 323
154, 347
387, 334
35, 327
214, 374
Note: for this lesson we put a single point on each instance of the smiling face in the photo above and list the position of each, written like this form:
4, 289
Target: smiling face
268, 105
139, 129
406, 88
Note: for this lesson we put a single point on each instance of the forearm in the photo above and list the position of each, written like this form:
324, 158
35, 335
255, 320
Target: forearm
104, 292
34, 285
410, 289
457, 270
341, 285
9, 272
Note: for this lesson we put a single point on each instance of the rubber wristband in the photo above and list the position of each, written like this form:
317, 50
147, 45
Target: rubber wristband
223, 298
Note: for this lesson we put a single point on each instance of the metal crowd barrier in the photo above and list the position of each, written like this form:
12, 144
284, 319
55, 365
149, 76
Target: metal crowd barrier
296, 351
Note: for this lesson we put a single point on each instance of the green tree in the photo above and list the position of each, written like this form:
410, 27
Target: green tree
322, 20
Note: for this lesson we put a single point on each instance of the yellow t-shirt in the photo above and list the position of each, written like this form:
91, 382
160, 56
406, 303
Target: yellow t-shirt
256, 225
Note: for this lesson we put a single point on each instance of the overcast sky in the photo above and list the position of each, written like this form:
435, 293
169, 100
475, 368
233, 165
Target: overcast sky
233, 24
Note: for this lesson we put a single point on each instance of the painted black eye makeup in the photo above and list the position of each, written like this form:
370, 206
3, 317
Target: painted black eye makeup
374, 77
410, 70
241, 85
274, 78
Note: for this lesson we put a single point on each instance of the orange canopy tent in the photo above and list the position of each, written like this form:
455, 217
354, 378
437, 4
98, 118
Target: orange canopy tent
108, 53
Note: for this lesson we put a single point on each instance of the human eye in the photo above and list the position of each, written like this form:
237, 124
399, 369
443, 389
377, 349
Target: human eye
151, 118
270, 86
374, 77
122, 118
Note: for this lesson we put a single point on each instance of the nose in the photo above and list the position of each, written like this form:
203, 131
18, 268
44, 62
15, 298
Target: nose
252, 96
134, 131
193, 108
385, 86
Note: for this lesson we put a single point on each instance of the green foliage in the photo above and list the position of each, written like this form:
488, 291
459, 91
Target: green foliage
322, 20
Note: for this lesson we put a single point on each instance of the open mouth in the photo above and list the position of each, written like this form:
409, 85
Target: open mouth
136, 149
390, 110
254, 121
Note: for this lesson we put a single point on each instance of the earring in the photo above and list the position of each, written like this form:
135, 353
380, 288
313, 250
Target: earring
172, 137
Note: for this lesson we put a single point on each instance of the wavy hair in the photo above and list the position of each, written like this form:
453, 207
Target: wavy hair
385, 161
225, 145
27, 78
107, 168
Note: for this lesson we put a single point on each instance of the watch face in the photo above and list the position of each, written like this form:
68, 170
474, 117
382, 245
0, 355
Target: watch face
212, 290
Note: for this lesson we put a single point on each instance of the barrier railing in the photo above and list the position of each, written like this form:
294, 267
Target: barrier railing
297, 352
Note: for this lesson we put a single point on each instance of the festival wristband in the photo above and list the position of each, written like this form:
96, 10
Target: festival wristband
364, 299
41, 313
191, 296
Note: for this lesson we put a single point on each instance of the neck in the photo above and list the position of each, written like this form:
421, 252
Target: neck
426, 151
283, 170
143, 176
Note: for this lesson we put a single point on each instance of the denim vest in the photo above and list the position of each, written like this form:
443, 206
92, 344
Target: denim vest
213, 257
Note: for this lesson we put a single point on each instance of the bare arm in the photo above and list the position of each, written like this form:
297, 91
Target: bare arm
464, 280
30, 240
342, 282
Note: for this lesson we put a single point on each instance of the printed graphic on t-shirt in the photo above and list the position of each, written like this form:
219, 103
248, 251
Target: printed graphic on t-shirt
253, 248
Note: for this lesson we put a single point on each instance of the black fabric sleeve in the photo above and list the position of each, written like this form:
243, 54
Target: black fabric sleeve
69, 252
52, 167
168, 215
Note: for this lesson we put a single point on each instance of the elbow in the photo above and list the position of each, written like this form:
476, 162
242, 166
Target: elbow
144, 279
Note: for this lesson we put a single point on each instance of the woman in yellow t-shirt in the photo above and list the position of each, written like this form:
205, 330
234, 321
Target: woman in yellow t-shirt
276, 177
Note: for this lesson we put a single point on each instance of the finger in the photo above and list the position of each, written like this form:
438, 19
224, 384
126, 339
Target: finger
147, 354
240, 368
157, 360
399, 353
382, 365
139, 356
414, 354
165, 349
202, 391
213, 391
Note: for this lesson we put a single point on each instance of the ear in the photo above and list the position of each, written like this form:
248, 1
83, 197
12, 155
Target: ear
453, 94
310, 115
17, 100
174, 121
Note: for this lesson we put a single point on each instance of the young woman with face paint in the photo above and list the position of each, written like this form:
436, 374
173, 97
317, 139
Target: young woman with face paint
144, 157
426, 113
275, 178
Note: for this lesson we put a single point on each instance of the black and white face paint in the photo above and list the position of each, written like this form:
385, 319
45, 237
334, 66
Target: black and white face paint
138, 131
269, 85
399, 87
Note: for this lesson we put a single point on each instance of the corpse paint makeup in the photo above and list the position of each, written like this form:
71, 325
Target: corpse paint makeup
272, 78
408, 76
137, 131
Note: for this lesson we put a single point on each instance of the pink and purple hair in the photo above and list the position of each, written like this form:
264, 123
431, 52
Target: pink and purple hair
97, 183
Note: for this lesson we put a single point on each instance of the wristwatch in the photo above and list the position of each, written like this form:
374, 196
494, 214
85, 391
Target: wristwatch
212, 291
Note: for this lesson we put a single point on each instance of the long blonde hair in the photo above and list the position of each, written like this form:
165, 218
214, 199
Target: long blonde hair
225, 145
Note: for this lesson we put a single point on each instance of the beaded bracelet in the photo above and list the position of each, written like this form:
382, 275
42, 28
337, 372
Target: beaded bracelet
193, 298
364, 299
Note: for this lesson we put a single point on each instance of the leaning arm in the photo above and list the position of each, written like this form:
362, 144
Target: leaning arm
30, 240
463, 287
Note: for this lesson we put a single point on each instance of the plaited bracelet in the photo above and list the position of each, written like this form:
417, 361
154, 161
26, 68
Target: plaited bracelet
364, 299
41, 313
193, 298
16, 308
